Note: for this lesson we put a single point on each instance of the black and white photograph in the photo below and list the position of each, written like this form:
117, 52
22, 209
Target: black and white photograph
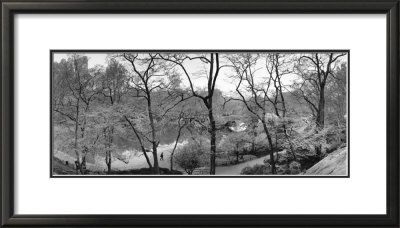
160, 113
199, 113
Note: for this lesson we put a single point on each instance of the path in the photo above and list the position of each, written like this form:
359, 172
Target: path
136, 161
236, 169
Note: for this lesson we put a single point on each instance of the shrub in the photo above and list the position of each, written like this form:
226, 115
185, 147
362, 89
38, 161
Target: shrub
295, 167
256, 170
247, 171
144, 171
190, 156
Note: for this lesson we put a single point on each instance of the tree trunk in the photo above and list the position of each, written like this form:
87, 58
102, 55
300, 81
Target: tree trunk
147, 158
140, 141
290, 143
109, 168
276, 143
213, 139
173, 150
108, 134
78, 162
155, 158
153, 137
318, 150
321, 109
171, 161
108, 161
271, 153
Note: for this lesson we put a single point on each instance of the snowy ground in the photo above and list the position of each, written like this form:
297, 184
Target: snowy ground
236, 169
138, 161
135, 159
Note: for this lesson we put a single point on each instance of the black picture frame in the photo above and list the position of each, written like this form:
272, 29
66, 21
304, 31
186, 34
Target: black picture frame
388, 7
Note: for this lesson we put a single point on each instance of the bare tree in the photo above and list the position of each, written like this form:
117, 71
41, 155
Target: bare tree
314, 70
336, 94
79, 82
181, 122
108, 141
213, 64
279, 65
114, 81
111, 85
139, 137
146, 79
253, 92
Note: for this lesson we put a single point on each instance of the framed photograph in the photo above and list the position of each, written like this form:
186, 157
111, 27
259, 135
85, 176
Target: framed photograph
200, 114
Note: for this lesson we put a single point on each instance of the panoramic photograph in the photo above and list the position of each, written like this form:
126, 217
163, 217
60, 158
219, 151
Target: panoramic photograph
190, 113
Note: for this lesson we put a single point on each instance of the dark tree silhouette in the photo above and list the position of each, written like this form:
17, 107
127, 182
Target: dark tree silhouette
214, 67
315, 69
253, 93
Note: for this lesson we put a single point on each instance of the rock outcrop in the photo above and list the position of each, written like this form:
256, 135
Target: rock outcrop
333, 164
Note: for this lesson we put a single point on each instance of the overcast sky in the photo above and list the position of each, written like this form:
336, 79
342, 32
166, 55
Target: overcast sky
224, 82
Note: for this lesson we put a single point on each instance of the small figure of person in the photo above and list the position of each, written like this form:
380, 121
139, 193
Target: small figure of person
161, 156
